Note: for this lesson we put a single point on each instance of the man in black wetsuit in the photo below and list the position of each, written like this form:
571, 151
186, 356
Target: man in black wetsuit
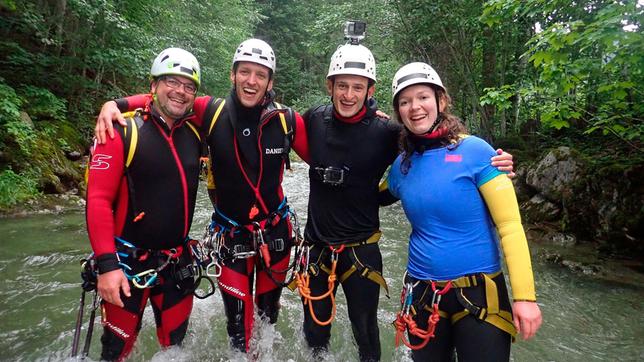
350, 149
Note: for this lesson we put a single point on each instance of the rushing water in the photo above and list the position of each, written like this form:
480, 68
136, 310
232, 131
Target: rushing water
584, 319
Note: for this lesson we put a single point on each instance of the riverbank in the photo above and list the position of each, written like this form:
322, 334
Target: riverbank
45, 205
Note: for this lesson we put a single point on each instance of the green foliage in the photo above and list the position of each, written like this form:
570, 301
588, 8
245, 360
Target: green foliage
43, 104
303, 51
501, 97
10, 103
14, 131
588, 59
16, 188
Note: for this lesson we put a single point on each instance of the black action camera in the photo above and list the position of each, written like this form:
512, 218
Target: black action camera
354, 31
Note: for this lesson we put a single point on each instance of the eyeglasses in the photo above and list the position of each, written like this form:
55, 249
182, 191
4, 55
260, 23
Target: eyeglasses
175, 83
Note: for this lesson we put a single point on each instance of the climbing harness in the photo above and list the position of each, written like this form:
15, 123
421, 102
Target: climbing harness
88, 275
223, 242
306, 267
156, 261
492, 312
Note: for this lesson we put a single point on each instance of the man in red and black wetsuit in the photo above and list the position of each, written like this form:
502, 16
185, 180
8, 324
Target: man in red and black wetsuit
141, 193
249, 136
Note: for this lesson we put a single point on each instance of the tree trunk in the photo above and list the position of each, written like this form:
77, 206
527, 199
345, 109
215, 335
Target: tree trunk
488, 78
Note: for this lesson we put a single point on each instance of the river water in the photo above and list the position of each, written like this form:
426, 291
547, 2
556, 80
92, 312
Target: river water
584, 319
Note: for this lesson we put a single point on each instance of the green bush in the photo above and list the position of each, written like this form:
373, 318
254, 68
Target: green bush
15, 188
43, 104
12, 128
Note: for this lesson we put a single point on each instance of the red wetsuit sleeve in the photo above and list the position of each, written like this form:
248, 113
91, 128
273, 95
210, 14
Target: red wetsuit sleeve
200, 107
144, 100
105, 181
134, 102
301, 142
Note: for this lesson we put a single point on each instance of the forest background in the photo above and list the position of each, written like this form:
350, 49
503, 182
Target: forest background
527, 75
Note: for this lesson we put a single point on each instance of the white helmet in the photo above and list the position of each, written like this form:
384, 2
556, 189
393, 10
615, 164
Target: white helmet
353, 60
415, 73
176, 61
255, 51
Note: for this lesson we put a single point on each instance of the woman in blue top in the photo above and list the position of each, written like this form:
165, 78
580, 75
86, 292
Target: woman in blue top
455, 297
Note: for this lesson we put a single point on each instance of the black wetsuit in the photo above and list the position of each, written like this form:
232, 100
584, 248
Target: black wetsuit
160, 186
348, 159
248, 189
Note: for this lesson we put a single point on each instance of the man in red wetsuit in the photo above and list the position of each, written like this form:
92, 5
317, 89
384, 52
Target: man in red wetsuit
249, 137
141, 195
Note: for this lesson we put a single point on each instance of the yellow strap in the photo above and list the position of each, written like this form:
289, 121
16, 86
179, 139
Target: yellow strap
216, 116
502, 324
282, 118
133, 141
372, 239
192, 127
210, 177
292, 285
466, 281
491, 296
347, 273
458, 316
283, 121
384, 185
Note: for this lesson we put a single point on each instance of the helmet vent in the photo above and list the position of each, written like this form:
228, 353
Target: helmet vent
357, 65
188, 70
412, 76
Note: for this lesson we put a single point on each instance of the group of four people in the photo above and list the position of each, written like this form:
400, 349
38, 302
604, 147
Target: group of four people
142, 190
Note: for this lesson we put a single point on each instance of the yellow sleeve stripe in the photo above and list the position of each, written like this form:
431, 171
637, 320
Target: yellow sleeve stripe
134, 138
501, 200
192, 127
216, 116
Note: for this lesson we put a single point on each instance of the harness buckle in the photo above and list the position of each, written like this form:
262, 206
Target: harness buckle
244, 255
331, 175
277, 244
241, 249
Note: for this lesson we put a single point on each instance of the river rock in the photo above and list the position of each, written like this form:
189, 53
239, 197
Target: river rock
600, 202
562, 239
24, 118
73, 155
538, 209
554, 175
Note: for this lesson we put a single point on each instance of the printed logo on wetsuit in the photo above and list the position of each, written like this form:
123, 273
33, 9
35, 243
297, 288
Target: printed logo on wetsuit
453, 158
99, 162
274, 151
232, 290
116, 330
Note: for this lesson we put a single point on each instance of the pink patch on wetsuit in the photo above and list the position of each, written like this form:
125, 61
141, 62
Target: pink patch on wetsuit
453, 158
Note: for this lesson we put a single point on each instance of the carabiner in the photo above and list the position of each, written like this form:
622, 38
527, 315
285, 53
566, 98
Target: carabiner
409, 294
217, 269
149, 276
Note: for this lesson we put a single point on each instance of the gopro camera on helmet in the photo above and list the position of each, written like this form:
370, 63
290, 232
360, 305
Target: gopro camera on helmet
354, 31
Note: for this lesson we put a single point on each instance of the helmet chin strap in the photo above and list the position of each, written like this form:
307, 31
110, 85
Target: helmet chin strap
439, 117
